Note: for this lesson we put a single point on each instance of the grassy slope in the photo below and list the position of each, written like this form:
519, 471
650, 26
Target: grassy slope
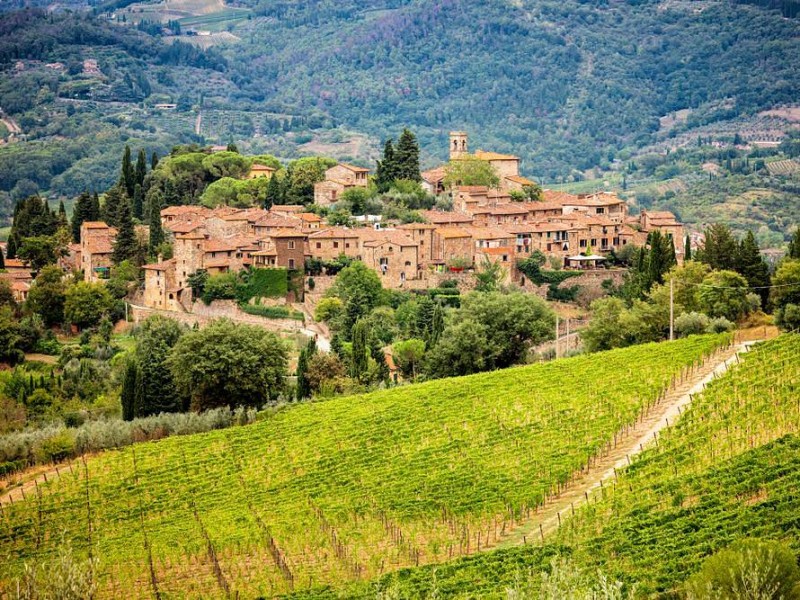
349, 487
729, 469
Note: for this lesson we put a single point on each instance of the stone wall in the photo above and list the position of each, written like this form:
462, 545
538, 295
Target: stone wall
203, 315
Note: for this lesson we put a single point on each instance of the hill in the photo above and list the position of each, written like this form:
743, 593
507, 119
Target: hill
346, 489
566, 85
729, 469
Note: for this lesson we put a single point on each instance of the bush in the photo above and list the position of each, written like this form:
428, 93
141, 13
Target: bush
720, 325
272, 312
788, 317
692, 323
221, 287
748, 569
56, 448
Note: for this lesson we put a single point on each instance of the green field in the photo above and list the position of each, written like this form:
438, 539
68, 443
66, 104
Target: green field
729, 469
347, 489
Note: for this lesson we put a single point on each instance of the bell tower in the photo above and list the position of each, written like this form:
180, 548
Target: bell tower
458, 144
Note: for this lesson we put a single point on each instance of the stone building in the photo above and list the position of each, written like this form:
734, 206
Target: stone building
160, 287
97, 246
339, 179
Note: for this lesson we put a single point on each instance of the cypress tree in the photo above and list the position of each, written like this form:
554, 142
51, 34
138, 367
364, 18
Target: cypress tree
81, 213
273, 192
126, 247
437, 326
153, 160
141, 168
752, 266
127, 178
407, 157
687, 248
794, 244
115, 197
95, 213
386, 172
303, 389
359, 362
11, 247
379, 356
62, 215
130, 383
719, 249
138, 201
2, 261
156, 232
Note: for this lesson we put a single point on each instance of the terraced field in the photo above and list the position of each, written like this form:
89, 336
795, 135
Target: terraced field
728, 470
345, 490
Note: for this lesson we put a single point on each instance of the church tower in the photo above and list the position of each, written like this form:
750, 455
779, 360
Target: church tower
458, 144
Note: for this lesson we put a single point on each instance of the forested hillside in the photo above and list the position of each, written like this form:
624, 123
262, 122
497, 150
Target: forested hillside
566, 85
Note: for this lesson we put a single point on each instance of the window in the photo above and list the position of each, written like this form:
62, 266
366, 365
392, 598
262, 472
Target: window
319, 245
335, 244
594, 241
408, 263
347, 244
291, 263
583, 244
505, 257
291, 244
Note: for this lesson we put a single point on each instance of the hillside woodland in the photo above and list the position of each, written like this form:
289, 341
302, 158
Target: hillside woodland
567, 86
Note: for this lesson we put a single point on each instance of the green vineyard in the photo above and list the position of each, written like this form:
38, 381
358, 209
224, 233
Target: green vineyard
345, 490
728, 470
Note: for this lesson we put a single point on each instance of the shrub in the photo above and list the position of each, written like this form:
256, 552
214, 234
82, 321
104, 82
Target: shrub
272, 312
719, 325
56, 448
761, 569
788, 317
691, 323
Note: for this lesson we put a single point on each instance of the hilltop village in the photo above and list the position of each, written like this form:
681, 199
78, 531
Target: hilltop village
485, 226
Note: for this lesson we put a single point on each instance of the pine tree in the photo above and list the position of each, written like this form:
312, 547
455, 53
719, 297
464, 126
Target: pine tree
130, 384
752, 266
386, 171
141, 168
273, 192
687, 248
126, 246
407, 157
127, 178
153, 160
138, 201
794, 244
156, 232
303, 389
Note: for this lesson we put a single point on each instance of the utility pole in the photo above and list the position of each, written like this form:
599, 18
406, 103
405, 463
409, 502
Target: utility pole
672, 308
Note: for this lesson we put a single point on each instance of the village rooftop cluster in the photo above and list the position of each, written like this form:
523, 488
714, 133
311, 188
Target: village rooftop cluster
484, 225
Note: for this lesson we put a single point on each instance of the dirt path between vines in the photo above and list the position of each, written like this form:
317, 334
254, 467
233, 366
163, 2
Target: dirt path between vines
602, 469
